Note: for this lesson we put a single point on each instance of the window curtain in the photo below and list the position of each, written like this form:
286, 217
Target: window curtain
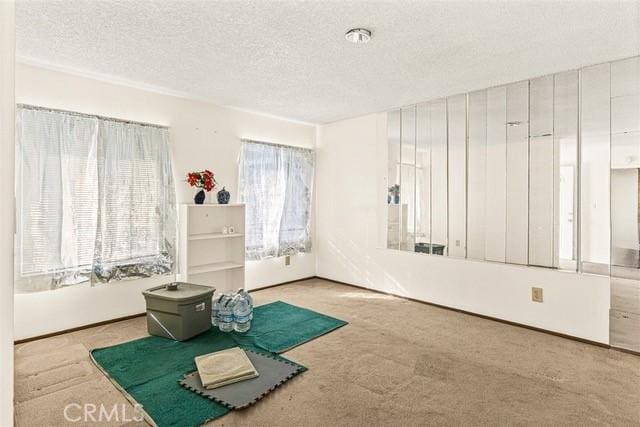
136, 207
95, 200
276, 184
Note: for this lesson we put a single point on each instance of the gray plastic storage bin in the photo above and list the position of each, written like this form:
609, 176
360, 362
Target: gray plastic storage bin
178, 310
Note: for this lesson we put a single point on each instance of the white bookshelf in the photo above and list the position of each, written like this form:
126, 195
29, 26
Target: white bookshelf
206, 255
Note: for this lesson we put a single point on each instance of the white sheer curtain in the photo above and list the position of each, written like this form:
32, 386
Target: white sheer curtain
276, 184
95, 200
136, 220
56, 216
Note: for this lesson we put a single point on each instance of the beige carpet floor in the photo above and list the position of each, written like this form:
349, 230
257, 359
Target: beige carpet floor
445, 368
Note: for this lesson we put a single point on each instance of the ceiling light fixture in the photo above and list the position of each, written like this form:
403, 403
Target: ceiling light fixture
358, 35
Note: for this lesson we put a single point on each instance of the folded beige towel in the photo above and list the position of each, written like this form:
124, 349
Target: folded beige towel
224, 367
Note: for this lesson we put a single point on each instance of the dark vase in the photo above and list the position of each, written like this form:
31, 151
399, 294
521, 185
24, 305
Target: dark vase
199, 197
223, 196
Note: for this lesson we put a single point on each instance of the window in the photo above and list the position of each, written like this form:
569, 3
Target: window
95, 200
276, 184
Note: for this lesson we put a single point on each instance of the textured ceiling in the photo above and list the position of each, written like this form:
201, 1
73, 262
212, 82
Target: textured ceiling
289, 58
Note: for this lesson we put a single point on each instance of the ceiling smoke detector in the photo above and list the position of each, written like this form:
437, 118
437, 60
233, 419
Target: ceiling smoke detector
358, 35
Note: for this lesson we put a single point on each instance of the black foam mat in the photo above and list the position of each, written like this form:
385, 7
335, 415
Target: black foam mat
272, 373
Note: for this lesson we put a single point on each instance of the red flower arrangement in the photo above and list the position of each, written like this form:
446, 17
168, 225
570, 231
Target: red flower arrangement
204, 180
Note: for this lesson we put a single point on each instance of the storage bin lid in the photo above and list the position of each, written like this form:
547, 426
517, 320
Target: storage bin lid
183, 292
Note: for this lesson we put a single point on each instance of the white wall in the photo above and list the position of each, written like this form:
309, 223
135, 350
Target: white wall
350, 226
7, 126
203, 136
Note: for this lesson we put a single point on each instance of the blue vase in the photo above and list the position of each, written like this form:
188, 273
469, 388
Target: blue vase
199, 197
223, 196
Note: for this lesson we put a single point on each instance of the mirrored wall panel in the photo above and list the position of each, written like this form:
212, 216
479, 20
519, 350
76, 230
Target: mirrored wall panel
423, 180
431, 179
476, 174
565, 177
594, 168
625, 168
408, 177
543, 172
517, 242
496, 182
542, 166
457, 172
439, 177
624, 317
396, 224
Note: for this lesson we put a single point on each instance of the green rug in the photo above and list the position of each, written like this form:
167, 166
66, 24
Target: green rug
147, 370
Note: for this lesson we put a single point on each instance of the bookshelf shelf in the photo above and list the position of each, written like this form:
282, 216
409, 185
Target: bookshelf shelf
208, 236
207, 256
213, 267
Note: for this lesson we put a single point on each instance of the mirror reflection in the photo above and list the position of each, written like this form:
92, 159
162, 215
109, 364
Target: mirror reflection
544, 172
625, 168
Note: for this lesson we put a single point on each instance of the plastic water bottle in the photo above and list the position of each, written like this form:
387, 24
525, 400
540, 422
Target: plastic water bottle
249, 299
241, 313
225, 314
215, 309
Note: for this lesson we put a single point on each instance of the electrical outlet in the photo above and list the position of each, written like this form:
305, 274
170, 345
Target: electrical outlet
536, 294
287, 260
